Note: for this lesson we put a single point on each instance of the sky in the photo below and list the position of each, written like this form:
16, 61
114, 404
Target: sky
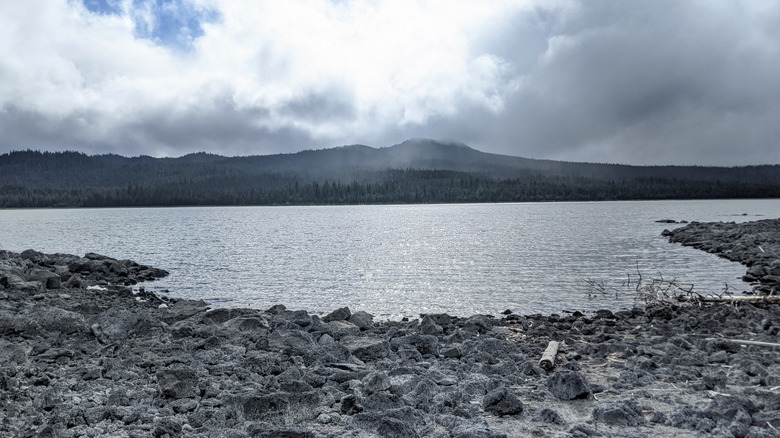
619, 81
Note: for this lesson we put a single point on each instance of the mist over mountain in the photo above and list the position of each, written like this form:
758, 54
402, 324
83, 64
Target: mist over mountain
417, 170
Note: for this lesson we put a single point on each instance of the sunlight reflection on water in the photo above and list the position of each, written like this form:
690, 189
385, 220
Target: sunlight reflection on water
395, 261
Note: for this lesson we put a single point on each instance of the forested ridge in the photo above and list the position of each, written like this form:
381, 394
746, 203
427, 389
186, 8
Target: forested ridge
420, 171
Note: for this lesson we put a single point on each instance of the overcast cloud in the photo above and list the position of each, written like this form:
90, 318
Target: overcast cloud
639, 82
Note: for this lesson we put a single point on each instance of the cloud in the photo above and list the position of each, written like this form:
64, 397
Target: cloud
670, 82
635, 82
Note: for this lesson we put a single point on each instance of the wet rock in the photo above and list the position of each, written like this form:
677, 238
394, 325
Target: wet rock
755, 272
429, 327
361, 319
569, 385
478, 323
300, 318
341, 314
276, 309
34, 256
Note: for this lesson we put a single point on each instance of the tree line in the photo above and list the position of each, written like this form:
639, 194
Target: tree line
342, 176
408, 186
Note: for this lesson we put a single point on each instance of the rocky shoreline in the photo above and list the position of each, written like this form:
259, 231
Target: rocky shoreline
754, 244
84, 354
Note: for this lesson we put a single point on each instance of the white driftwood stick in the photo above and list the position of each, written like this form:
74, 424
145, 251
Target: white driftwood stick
730, 299
548, 357
745, 342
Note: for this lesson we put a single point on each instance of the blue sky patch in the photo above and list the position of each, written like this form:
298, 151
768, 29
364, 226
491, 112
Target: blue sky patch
104, 7
171, 23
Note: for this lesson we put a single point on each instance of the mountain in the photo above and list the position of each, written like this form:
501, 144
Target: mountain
417, 170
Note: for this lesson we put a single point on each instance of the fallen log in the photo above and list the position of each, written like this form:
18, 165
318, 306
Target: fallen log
729, 299
547, 362
746, 342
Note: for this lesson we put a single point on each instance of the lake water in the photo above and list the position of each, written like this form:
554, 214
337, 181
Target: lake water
395, 261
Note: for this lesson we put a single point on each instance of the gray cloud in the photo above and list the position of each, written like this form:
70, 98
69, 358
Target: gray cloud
674, 82
334, 105
165, 131
661, 82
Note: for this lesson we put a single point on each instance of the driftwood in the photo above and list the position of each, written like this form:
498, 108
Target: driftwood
730, 299
746, 342
548, 357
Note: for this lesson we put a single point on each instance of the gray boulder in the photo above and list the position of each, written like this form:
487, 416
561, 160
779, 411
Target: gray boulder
178, 382
376, 382
34, 256
392, 423
429, 327
47, 320
367, 348
475, 429
619, 413
569, 385
341, 328
502, 402
296, 342
48, 279
361, 319
14, 281
301, 405
341, 314
118, 323
549, 416
427, 345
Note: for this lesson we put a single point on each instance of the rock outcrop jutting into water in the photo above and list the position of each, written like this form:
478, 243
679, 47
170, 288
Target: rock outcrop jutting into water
83, 355
755, 244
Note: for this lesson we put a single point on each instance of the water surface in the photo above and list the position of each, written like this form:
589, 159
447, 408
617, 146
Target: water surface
400, 260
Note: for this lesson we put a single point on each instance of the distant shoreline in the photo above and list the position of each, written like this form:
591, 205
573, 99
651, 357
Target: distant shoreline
384, 204
414, 172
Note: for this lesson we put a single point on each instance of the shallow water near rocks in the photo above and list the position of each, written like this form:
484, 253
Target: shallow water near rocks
402, 260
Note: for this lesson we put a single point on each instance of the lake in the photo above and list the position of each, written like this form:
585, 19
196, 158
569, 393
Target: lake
399, 260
